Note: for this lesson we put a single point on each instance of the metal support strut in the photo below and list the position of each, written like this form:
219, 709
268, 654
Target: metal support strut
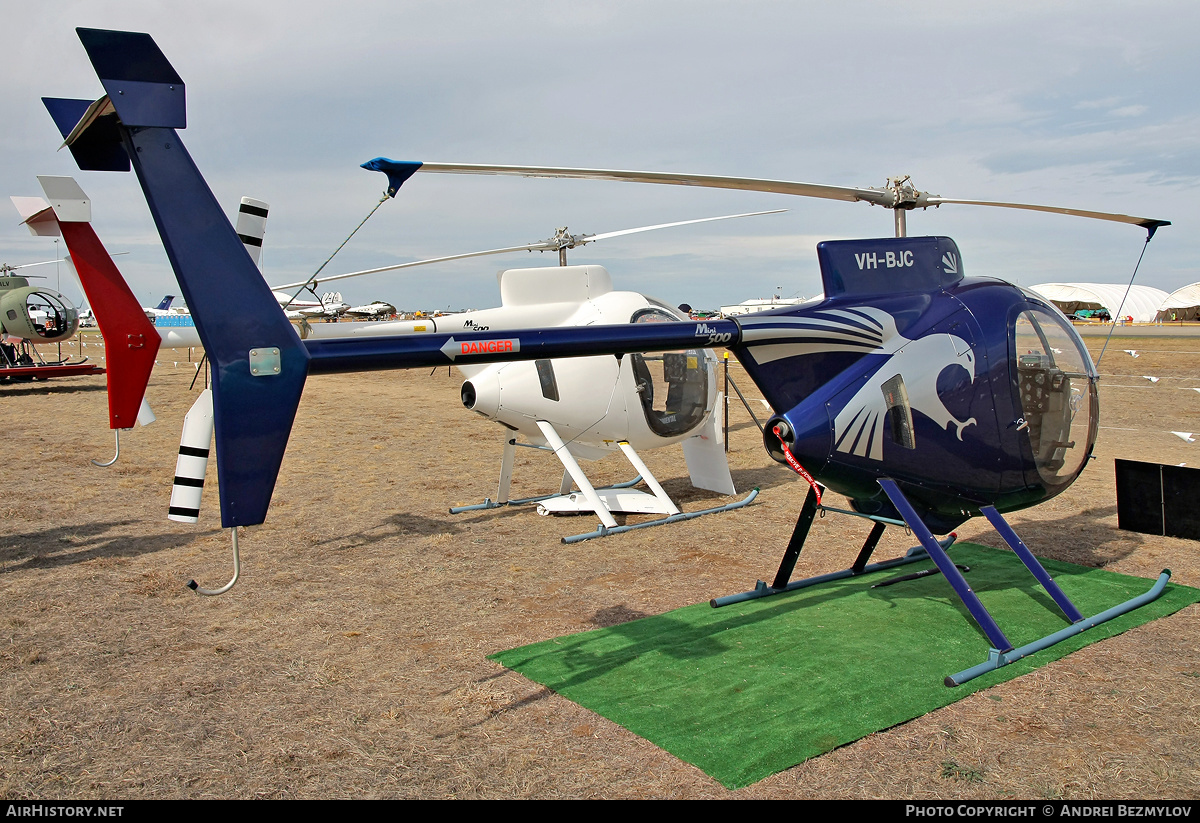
1002, 653
791, 554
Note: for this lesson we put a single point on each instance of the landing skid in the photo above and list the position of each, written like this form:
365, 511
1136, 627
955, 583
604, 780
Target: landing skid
783, 582
48, 371
621, 498
1002, 652
604, 531
488, 503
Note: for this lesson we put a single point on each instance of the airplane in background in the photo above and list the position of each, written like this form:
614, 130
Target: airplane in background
163, 308
375, 310
924, 396
329, 308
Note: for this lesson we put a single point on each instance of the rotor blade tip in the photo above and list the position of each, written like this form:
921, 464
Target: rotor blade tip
397, 171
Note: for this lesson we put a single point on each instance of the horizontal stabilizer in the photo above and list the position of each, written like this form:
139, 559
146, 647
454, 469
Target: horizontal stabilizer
37, 215
89, 130
141, 84
70, 203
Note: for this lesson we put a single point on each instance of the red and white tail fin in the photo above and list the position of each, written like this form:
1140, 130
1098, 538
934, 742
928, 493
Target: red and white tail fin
131, 342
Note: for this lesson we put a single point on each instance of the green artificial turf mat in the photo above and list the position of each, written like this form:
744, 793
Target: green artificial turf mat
750, 689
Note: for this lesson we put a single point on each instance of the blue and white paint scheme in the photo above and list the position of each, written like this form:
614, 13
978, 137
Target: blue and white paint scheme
924, 396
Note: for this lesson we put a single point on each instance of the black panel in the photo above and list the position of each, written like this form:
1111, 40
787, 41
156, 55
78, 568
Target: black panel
1139, 497
1181, 494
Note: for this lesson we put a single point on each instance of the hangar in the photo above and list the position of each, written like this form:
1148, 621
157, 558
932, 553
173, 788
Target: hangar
1142, 304
1181, 304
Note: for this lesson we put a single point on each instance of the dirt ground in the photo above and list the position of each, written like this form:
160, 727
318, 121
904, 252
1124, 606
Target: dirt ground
350, 659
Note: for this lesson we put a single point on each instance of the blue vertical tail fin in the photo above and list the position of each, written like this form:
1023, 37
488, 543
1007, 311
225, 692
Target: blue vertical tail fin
259, 362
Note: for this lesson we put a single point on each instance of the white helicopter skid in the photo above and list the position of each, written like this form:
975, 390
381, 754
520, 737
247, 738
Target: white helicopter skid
588, 499
621, 501
619, 498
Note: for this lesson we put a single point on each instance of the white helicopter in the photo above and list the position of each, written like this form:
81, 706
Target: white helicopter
585, 407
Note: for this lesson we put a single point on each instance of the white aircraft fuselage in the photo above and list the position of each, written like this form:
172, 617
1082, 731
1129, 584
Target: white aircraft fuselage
593, 402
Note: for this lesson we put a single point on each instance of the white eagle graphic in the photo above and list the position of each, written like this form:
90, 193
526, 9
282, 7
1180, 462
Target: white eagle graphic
857, 427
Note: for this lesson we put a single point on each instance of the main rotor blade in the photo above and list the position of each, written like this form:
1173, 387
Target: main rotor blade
670, 179
543, 245
66, 260
31, 265
606, 235
1144, 222
885, 197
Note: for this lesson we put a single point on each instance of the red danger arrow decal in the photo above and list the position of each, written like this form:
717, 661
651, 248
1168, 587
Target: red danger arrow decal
506, 345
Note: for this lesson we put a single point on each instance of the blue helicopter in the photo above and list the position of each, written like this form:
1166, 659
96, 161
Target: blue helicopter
924, 396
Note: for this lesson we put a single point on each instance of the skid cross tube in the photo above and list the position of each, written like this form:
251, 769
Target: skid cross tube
791, 554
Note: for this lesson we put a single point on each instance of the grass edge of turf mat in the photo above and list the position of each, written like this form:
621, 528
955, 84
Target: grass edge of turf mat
754, 688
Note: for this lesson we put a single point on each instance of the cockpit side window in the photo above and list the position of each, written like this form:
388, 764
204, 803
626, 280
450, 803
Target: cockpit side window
674, 395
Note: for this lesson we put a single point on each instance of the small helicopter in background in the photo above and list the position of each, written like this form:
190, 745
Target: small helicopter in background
31, 315
132, 341
924, 396
586, 407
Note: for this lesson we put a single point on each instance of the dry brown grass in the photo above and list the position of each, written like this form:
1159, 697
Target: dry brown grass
350, 661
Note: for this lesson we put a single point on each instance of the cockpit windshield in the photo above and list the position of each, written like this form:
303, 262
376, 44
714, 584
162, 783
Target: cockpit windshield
1055, 380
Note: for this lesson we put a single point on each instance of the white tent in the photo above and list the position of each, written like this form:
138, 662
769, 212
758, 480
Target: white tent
1181, 304
1142, 303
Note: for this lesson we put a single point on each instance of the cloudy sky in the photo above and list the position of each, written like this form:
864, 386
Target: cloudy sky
1090, 105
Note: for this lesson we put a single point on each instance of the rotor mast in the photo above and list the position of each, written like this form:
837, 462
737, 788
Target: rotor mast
904, 199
